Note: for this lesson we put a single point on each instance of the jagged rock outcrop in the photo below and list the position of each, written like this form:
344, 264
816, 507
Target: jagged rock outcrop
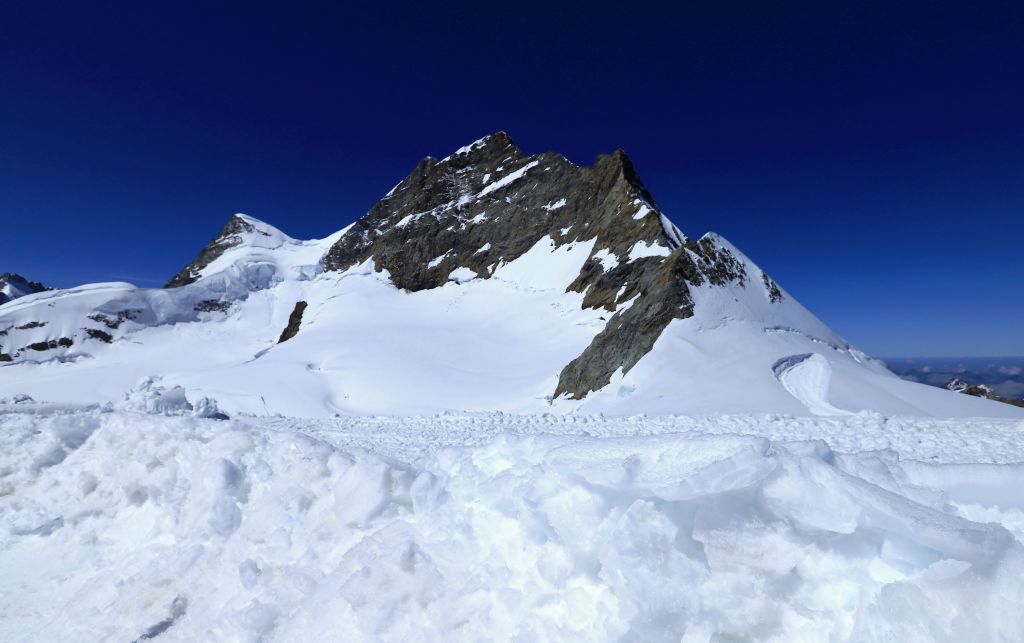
13, 286
230, 236
294, 322
488, 204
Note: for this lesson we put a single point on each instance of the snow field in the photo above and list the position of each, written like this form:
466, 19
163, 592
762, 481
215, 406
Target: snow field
119, 524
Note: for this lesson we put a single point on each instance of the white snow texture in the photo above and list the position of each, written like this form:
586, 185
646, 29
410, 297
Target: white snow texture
120, 525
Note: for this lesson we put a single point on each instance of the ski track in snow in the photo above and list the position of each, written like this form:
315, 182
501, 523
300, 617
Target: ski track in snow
118, 524
406, 439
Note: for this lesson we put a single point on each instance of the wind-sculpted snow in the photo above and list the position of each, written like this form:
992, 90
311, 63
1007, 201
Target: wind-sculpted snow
119, 525
807, 378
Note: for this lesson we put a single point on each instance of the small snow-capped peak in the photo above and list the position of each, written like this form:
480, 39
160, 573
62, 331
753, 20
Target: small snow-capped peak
240, 229
14, 286
257, 225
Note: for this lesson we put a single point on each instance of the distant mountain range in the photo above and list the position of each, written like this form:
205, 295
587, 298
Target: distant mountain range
1001, 377
487, 280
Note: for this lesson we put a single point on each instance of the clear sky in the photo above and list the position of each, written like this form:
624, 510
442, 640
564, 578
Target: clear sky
870, 156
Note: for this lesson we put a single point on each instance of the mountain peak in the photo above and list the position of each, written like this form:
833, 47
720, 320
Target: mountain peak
489, 145
13, 286
240, 229
490, 194
619, 164
487, 151
488, 204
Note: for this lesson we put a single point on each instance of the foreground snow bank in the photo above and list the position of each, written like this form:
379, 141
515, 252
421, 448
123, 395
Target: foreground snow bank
121, 525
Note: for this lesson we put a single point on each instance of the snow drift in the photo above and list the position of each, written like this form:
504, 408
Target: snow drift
119, 525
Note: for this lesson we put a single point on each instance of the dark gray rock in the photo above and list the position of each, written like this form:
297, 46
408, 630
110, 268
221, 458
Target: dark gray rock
774, 292
455, 207
63, 342
101, 335
294, 322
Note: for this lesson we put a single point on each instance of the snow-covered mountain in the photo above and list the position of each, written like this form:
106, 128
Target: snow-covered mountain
13, 286
488, 280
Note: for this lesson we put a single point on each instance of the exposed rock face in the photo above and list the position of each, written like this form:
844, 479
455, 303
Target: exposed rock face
211, 306
663, 295
63, 342
774, 292
294, 322
101, 335
488, 204
13, 286
229, 237
115, 322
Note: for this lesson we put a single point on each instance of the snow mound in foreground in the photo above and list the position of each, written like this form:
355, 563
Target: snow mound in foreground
119, 525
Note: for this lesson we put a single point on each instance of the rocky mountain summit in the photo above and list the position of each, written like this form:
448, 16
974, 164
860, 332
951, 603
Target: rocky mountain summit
488, 204
13, 286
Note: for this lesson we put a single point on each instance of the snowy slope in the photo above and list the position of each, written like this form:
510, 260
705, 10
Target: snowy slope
117, 525
619, 309
368, 347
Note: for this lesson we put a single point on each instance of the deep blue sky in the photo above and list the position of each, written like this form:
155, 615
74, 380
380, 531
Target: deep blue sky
870, 157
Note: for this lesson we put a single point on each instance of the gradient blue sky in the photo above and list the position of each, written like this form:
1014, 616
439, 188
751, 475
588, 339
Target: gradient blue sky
870, 157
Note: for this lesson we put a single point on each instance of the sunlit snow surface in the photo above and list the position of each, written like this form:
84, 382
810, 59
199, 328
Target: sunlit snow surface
118, 524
